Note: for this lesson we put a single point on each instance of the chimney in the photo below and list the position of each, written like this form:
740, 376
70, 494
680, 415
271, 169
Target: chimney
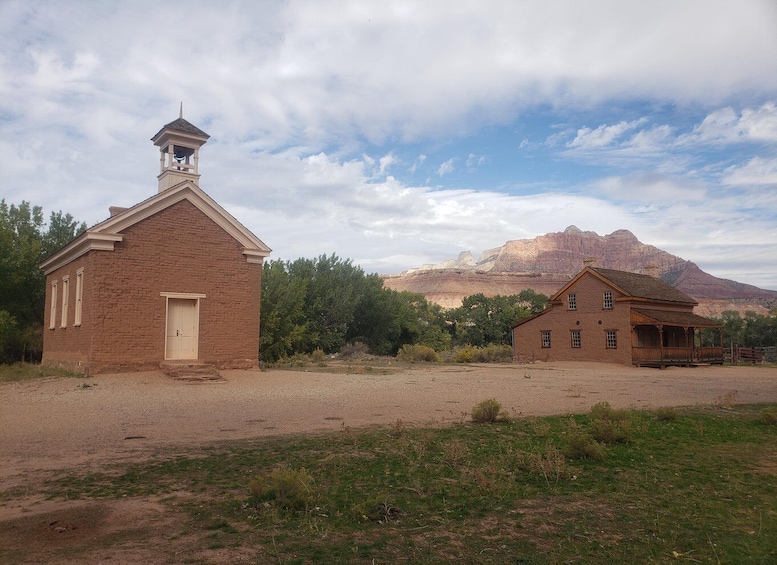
116, 210
589, 262
651, 270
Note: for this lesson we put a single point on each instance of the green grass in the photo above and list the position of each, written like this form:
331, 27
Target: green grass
29, 371
700, 487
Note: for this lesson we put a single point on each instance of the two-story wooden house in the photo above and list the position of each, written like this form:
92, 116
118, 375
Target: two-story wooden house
617, 317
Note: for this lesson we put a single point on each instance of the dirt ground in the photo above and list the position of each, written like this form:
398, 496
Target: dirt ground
57, 424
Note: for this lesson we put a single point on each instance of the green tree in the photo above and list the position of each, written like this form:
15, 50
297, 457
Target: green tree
327, 302
283, 322
482, 320
752, 330
24, 242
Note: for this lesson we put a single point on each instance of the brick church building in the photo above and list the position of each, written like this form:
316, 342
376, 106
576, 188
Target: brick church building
174, 279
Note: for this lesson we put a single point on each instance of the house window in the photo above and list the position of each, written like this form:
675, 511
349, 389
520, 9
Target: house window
576, 343
572, 301
79, 296
545, 338
53, 312
607, 301
612, 339
65, 293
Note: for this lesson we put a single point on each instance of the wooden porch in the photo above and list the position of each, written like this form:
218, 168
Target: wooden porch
661, 338
674, 356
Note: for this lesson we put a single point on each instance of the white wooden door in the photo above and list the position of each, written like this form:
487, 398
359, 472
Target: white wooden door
181, 329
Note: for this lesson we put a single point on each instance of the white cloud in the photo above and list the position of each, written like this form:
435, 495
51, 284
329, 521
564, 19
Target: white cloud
386, 162
417, 163
728, 126
447, 167
649, 188
473, 161
293, 94
758, 171
602, 136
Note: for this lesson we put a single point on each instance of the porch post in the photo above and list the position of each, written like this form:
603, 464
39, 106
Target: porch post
661, 343
689, 348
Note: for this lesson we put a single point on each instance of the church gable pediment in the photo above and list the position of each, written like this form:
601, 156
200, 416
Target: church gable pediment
104, 235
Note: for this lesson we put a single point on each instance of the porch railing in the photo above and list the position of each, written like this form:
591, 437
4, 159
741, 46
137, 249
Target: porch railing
675, 355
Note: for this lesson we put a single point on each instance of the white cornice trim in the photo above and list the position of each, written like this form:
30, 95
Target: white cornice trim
80, 246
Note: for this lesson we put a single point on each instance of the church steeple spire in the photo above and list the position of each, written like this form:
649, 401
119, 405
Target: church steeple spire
179, 145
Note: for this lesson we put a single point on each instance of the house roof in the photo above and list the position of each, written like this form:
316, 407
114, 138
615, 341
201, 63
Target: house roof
104, 235
632, 285
183, 126
687, 319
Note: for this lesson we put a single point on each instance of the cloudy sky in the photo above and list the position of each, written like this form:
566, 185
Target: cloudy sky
401, 133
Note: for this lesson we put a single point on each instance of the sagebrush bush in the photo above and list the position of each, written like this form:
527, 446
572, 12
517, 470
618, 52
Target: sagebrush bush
609, 425
666, 414
550, 463
608, 431
603, 411
318, 355
486, 411
489, 354
768, 416
583, 446
464, 355
291, 489
418, 354
455, 452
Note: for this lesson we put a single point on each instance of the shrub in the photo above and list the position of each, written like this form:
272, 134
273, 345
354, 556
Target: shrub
583, 446
455, 452
486, 411
489, 354
610, 425
418, 354
666, 414
286, 488
768, 416
550, 464
608, 431
318, 355
603, 411
355, 349
464, 355
496, 354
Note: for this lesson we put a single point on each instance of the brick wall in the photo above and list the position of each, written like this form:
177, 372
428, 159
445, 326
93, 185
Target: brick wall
69, 346
178, 250
590, 318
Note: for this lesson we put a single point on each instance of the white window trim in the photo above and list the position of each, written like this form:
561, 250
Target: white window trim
79, 296
65, 297
572, 301
53, 310
607, 300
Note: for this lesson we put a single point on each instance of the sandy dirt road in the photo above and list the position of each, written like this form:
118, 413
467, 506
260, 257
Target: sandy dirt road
58, 423
54, 427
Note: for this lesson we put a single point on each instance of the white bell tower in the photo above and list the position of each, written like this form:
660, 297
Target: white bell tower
179, 145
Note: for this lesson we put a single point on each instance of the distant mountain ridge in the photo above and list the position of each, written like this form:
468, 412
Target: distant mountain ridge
548, 261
